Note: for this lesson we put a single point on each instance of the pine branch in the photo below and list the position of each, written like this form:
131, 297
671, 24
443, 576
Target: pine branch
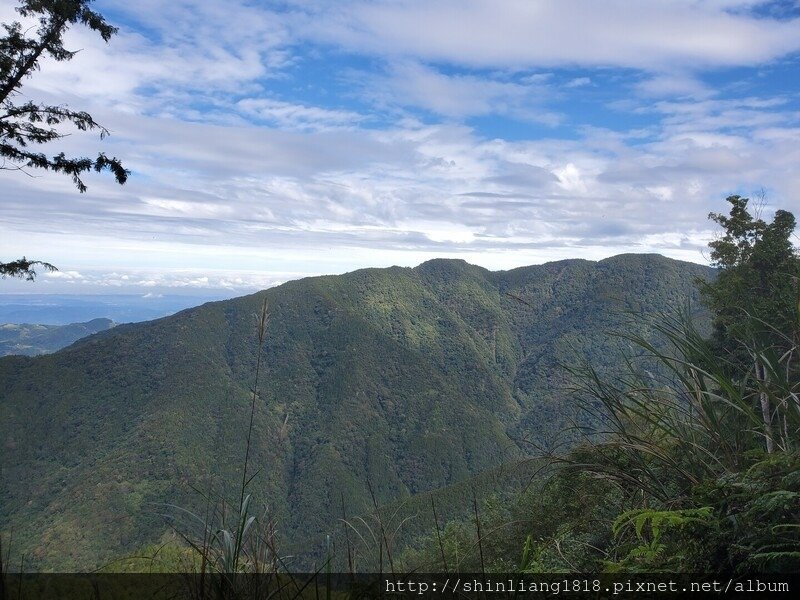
23, 268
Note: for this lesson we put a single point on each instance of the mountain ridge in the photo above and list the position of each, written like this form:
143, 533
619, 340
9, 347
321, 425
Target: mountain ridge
393, 381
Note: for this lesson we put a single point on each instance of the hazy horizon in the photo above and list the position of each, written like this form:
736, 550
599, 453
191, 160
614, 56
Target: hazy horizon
201, 287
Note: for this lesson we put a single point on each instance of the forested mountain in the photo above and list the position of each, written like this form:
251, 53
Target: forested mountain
30, 340
392, 382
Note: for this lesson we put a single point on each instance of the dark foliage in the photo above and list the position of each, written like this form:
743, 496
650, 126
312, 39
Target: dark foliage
25, 125
24, 268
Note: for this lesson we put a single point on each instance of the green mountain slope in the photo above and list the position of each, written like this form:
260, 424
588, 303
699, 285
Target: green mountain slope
399, 381
31, 340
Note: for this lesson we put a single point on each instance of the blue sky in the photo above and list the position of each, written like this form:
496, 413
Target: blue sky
273, 140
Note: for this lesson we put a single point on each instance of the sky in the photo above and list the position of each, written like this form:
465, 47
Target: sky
273, 140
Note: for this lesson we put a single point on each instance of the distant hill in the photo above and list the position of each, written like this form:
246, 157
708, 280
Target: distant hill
394, 382
63, 309
30, 340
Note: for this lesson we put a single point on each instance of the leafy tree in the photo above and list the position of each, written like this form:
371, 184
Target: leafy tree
758, 269
758, 278
27, 124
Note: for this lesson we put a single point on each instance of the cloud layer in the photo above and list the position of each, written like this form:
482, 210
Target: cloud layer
312, 137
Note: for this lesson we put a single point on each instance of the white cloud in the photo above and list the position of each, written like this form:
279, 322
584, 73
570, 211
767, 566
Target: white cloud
247, 190
184, 208
297, 116
644, 35
184, 52
65, 275
412, 84
579, 82
673, 84
264, 199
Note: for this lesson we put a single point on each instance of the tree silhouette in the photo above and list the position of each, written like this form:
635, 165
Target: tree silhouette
754, 298
27, 124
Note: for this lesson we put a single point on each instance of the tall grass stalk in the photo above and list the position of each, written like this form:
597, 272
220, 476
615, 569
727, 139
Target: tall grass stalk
684, 414
233, 542
377, 535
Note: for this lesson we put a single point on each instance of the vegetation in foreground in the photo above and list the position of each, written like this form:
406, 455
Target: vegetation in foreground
697, 467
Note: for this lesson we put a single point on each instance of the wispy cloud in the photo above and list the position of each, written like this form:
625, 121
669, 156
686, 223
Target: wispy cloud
401, 188
161, 282
644, 35
275, 139
672, 85
579, 82
452, 95
297, 116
